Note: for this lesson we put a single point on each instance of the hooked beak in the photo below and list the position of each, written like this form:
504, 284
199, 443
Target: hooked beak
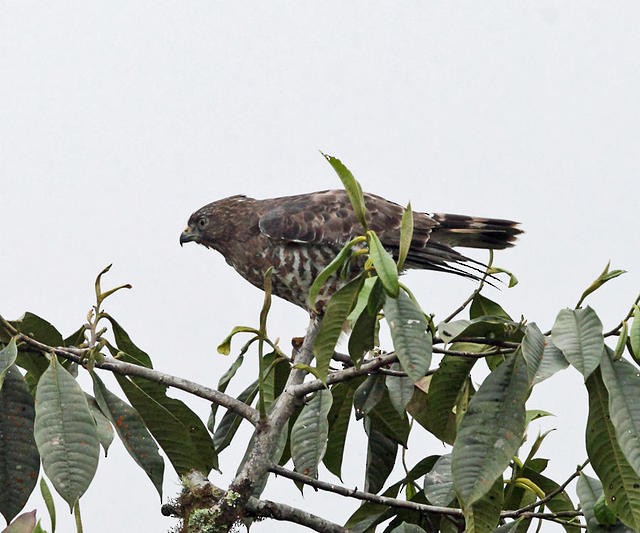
187, 235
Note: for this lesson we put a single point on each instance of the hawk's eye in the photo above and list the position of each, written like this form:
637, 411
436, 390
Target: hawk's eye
202, 222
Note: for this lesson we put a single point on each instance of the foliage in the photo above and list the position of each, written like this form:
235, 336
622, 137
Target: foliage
481, 482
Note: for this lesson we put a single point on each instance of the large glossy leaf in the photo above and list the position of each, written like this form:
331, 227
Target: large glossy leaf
407, 528
309, 434
532, 347
578, 333
411, 340
334, 318
381, 456
353, 188
39, 329
65, 433
338, 419
103, 425
134, 354
19, 458
389, 422
483, 515
623, 385
176, 428
438, 414
552, 361
621, 484
368, 394
132, 432
8, 356
482, 306
384, 264
491, 431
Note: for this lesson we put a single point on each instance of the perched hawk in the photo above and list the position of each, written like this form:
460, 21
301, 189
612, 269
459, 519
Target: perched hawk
300, 235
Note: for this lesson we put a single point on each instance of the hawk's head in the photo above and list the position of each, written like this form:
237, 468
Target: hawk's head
211, 223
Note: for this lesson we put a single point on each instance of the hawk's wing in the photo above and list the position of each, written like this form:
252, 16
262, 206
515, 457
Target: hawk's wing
327, 218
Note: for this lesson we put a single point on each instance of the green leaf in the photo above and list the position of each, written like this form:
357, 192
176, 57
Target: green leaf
411, 340
8, 356
552, 361
621, 484
590, 491
578, 333
384, 264
19, 458
103, 425
634, 335
407, 528
623, 385
446, 384
622, 340
381, 456
338, 420
176, 428
491, 431
309, 434
125, 344
605, 276
406, 235
353, 188
65, 433
25, 523
222, 386
231, 421
438, 483
513, 281
535, 414
335, 315
132, 432
39, 329
482, 306
400, 390
224, 347
483, 516
48, 500
387, 420
368, 394
533, 345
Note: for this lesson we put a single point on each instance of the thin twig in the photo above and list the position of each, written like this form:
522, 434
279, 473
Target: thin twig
129, 369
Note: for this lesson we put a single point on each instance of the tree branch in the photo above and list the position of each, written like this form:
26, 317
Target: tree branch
281, 511
123, 368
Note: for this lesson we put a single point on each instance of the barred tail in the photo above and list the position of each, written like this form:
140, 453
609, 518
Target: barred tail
474, 232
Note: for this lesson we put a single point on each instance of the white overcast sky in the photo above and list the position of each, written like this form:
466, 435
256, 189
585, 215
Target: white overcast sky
118, 119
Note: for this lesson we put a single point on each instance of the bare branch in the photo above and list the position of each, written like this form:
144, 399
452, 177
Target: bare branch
281, 511
129, 369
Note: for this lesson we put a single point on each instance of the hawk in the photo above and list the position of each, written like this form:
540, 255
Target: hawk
300, 235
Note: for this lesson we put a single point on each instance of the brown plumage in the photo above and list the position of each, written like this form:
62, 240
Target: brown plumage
300, 235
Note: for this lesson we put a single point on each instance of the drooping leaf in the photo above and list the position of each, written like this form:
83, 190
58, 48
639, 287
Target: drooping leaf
177, 429
39, 329
8, 356
124, 343
491, 431
335, 316
19, 458
621, 484
445, 387
634, 335
482, 306
492, 327
589, 492
578, 333
552, 361
309, 434
103, 425
224, 347
381, 456
407, 528
623, 386
406, 235
223, 382
533, 344
132, 432
385, 418
231, 421
25, 523
353, 188
400, 390
338, 420
484, 514
65, 433
385, 266
49, 503
438, 483
411, 340
368, 394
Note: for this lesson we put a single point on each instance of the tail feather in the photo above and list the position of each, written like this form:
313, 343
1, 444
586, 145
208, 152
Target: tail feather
474, 232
